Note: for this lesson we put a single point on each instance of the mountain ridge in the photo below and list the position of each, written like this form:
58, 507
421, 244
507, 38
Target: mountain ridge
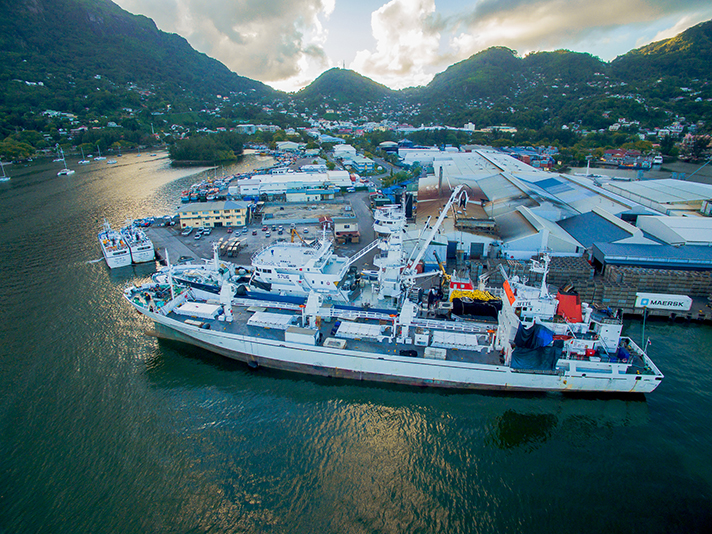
95, 60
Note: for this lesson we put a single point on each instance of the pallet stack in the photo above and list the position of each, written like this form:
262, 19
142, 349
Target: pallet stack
691, 283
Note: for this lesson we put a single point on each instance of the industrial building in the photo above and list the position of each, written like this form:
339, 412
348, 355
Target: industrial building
325, 184
636, 235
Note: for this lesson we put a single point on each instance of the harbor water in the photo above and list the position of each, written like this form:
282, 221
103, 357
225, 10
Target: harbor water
104, 429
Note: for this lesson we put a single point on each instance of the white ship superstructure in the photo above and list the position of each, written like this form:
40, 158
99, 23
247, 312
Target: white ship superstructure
115, 250
140, 246
298, 269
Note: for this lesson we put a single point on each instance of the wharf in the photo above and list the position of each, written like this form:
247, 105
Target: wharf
599, 291
168, 238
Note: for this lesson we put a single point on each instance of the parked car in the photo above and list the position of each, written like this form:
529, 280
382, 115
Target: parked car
267, 234
254, 232
264, 228
207, 231
305, 231
187, 231
229, 230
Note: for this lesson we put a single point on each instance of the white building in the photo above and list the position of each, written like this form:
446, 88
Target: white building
279, 184
344, 151
678, 230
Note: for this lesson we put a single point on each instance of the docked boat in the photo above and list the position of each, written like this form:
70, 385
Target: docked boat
538, 342
115, 249
140, 246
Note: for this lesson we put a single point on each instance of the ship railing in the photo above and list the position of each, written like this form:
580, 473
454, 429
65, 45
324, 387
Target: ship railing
259, 251
265, 304
633, 347
452, 326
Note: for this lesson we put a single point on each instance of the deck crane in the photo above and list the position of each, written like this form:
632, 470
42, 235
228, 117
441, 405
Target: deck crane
459, 195
446, 277
295, 233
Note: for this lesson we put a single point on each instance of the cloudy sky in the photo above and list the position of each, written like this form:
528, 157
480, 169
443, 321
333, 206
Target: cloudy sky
402, 43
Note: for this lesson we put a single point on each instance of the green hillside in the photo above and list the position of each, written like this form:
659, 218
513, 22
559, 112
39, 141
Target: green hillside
685, 56
77, 55
342, 86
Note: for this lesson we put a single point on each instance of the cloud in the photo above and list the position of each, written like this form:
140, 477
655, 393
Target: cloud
407, 41
267, 40
680, 26
529, 25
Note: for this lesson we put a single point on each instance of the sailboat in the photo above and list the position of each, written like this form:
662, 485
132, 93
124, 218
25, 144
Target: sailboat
83, 161
99, 157
66, 171
4, 177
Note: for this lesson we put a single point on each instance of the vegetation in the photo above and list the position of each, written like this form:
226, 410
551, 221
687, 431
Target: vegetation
222, 147
341, 86
115, 80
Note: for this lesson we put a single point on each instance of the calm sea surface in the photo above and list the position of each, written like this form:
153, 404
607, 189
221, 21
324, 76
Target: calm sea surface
103, 429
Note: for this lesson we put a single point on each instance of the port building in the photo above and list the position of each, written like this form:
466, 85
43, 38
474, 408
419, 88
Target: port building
277, 185
611, 238
214, 214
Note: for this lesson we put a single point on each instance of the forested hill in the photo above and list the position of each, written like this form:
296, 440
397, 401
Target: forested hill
685, 56
344, 87
650, 85
85, 53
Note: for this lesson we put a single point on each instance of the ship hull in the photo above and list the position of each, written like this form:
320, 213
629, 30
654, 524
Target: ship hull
143, 253
385, 367
117, 259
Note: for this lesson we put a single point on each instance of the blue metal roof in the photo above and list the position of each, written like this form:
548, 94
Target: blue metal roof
590, 227
658, 256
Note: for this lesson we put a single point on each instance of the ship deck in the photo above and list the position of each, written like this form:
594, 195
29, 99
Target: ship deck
328, 331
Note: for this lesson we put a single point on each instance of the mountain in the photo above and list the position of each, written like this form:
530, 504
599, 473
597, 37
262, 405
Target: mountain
342, 86
548, 89
93, 60
70, 50
687, 55
491, 72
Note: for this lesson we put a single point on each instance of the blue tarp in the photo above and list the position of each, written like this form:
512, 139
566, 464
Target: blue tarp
534, 349
534, 337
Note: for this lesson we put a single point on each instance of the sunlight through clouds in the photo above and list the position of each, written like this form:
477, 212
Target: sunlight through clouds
267, 40
403, 43
406, 44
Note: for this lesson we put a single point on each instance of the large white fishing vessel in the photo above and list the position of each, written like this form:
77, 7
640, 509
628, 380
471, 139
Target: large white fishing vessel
140, 246
538, 342
114, 247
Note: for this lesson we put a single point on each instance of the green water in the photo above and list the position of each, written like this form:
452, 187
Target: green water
103, 429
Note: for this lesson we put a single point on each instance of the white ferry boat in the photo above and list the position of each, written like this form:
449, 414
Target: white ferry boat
538, 343
115, 249
140, 246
